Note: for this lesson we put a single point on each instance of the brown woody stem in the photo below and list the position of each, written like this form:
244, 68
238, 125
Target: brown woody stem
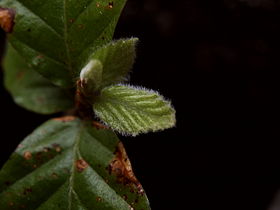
82, 104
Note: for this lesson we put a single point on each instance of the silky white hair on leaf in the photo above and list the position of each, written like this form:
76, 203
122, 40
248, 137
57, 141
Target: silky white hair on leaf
132, 110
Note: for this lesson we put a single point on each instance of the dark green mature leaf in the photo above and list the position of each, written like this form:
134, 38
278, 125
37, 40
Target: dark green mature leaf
67, 164
30, 90
133, 110
57, 37
117, 59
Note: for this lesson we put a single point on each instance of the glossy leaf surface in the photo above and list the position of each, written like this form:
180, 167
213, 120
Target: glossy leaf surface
67, 164
30, 90
57, 37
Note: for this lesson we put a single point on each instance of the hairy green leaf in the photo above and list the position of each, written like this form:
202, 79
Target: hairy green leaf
30, 90
132, 110
57, 37
117, 58
67, 164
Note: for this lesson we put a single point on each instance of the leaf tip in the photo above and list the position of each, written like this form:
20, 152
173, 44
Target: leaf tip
121, 167
134, 40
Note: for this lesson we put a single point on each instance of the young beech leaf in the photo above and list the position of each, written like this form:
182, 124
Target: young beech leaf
117, 58
30, 90
67, 164
133, 110
91, 76
56, 37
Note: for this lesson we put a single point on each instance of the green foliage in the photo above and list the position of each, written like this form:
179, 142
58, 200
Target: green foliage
61, 58
32, 91
68, 164
57, 38
117, 58
132, 110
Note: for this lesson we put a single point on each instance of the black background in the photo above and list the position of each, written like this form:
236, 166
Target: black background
218, 62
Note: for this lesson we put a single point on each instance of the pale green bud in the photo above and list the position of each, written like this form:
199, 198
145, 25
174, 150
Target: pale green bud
91, 76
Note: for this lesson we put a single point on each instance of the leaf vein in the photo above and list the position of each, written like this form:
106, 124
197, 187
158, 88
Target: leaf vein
39, 52
66, 38
81, 13
26, 175
38, 16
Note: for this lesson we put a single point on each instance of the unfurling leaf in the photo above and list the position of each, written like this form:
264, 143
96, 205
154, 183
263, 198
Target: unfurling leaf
132, 110
91, 76
67, 164
117, 59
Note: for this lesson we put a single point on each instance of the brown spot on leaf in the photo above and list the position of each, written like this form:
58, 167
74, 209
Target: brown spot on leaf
65, 118
54, 175
11, 204
40, 56
38, 156
27, 191
98, 199
57, 148
81, 26
111, 5
121, 167
97, 4
20, 75
46, 149
27, 155
81, 165
50, 156
99, 125
7, 17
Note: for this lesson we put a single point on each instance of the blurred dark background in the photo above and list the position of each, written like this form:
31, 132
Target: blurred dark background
218, 61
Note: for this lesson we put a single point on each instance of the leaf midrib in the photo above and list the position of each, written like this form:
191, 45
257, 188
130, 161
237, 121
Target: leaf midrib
65, 36
29, 173
77, 155
135, 108
71, 177
37, 15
